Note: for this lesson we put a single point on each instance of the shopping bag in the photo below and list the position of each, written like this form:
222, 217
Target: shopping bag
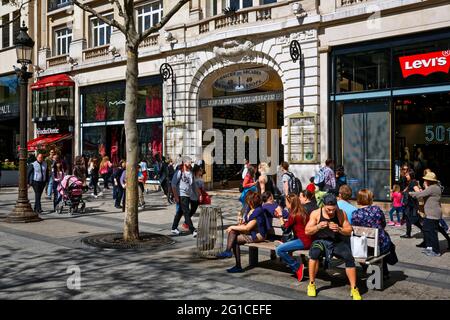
359, 246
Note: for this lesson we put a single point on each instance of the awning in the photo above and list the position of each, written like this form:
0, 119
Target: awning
44, 140
58, 80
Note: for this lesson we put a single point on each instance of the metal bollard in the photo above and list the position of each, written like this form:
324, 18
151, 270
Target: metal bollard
210, 231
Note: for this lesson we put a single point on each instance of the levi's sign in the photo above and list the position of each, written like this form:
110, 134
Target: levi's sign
425, 64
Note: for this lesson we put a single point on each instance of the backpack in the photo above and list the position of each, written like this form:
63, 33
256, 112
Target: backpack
295, 186
319, 179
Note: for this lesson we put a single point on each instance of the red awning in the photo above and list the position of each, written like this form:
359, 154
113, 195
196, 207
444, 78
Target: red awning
44, 140
58, 80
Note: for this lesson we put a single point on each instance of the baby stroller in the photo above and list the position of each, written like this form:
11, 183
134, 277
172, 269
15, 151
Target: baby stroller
71, 192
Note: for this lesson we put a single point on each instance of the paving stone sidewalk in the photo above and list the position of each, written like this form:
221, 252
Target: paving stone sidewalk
35, 259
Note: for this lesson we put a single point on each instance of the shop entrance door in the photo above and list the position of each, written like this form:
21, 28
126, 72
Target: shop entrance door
366, 147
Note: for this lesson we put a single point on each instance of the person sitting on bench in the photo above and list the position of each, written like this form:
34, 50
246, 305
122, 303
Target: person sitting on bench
253, 229
329, 228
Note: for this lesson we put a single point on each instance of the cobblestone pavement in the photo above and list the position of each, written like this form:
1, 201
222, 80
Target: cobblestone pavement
35, 259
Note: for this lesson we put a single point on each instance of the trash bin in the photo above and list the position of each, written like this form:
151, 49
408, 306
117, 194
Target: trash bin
210, 231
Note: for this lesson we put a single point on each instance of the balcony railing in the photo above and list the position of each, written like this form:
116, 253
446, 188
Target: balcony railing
56, 61
240, 17
55, 4
96, 52
235, 19
150, 41
345, 3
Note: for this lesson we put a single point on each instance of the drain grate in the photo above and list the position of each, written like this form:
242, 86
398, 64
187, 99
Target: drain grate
82, 232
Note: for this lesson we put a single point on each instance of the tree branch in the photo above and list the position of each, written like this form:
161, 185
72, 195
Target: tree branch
163, 21
100, 17
119, 7
16, 17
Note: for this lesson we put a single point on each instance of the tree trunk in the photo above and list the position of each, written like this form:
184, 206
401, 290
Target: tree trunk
131, 228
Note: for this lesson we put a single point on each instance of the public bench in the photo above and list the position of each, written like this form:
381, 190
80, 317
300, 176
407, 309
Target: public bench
374, 262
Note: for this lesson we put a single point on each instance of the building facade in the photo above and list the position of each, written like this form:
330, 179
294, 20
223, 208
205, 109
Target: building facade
9, 90
347, 98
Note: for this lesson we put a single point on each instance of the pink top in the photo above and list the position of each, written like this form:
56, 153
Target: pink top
396, 199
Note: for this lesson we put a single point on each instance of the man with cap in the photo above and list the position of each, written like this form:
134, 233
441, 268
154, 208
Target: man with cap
432, 197
330, 230
182, 185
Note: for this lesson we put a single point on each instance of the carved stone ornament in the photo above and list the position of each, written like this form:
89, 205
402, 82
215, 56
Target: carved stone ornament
234, 49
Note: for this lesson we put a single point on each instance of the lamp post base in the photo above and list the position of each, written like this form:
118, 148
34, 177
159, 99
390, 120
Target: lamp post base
22, 213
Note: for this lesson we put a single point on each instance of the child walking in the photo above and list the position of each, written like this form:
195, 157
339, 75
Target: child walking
397, 206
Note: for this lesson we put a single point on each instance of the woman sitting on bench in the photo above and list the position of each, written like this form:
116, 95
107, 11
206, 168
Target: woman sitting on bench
252, 229
371, 216
298, 218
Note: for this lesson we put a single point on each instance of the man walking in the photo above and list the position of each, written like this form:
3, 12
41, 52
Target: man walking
182, 187
37, 178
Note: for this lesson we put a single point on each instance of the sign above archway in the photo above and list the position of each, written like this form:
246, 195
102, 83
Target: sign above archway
241, 80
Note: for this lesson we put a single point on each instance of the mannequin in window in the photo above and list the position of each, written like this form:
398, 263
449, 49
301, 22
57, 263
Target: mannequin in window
100, 111
153, 104
407, 156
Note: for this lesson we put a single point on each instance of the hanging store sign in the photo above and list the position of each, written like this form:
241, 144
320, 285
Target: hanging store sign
242, 80
242, 99
47, 131
425, 64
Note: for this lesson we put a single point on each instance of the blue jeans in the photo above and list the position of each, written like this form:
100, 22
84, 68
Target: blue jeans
398, 210
283, 252
50, 186
443, 224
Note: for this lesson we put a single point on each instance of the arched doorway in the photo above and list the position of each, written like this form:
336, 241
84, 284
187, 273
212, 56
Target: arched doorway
241, 97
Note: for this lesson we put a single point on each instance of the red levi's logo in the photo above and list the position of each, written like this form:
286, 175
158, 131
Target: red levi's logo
426, 63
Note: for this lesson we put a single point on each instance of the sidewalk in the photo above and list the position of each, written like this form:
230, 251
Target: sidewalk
36, 257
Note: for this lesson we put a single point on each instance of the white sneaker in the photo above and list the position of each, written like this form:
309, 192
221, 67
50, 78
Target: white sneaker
175, 232
194, 234
100, 194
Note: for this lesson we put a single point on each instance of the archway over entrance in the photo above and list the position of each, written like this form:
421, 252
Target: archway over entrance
241, 98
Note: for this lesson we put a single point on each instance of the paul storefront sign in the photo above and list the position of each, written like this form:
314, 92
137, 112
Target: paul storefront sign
425, 64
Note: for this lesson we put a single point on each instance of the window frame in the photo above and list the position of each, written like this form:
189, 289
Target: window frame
97, 29
151, 13
58, 49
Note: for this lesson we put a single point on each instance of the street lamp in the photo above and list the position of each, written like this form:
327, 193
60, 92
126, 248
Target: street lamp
23, 212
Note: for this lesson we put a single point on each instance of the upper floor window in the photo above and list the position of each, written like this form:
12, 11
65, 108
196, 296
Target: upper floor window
5, 31
149, 15
63, 38
100, 32
56, 4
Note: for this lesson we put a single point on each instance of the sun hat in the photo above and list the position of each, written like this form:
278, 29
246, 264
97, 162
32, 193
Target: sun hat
430, 176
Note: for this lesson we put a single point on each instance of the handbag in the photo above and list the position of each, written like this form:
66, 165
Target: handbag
206, 198
359, 246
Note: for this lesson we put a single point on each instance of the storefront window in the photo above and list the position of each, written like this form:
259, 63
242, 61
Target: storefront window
116, 104
421, 64
8, 90
53, 102
362, 71
95, 107
150, 138
94, 140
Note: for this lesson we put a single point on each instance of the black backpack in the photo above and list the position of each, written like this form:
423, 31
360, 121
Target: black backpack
295, 186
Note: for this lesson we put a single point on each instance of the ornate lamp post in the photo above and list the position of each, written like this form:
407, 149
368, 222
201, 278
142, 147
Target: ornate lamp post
166, 72
296, 55
23, 212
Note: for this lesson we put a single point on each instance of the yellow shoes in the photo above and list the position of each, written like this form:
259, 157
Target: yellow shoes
354, 293
311, 290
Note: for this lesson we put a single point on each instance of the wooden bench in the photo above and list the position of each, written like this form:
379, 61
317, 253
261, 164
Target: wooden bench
374, 262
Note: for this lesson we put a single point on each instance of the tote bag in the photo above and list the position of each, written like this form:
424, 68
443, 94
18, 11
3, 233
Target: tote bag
359, 246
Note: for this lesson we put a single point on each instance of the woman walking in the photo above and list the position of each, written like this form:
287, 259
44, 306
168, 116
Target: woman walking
105, 171
432, 197
117, 185
411, 205
58, 176
94, 175
249, 184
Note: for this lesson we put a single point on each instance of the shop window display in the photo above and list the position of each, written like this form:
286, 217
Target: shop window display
53, 102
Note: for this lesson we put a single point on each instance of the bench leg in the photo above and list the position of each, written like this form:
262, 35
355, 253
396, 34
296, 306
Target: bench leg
273, 255
375, 280
253, 256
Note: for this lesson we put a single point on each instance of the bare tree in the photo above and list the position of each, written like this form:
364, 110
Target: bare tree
133, 39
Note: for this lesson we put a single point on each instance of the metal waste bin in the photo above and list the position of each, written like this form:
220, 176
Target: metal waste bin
210, 231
